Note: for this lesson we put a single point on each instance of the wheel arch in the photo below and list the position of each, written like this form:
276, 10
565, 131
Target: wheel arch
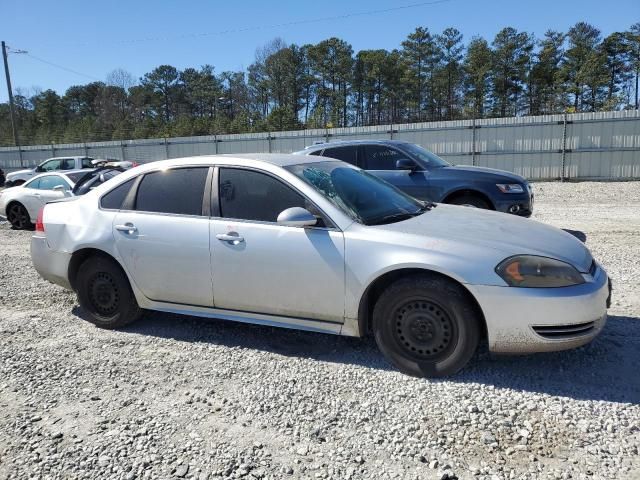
379, 284
79, 256
461, 192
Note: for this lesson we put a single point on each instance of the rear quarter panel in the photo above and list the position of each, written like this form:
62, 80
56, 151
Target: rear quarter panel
73, 225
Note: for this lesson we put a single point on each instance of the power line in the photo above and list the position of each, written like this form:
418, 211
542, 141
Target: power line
265, 27
91, 77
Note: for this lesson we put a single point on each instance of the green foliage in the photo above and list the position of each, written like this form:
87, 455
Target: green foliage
432, 76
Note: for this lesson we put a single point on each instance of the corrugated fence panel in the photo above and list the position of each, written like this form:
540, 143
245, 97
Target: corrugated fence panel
191, 146
596, 145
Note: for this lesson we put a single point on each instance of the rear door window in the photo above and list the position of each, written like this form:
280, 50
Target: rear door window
68, 164
346, 154
178, 191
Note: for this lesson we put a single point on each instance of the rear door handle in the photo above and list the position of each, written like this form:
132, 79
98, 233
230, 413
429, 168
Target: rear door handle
128, 228
232, 238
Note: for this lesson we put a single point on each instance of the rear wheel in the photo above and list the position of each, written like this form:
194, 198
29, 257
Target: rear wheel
470, 201
18, 216
426, 326
105, 294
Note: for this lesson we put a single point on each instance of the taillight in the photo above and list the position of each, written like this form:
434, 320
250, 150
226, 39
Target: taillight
134, 164
39, 222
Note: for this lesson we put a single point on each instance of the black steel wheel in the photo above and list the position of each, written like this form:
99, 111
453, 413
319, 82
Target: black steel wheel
105, 294
18, 216
424, 330
427, 325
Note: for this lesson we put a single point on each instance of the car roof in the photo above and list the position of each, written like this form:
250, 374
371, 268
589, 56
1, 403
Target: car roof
62, 172
277, 159
65, 157
345, 143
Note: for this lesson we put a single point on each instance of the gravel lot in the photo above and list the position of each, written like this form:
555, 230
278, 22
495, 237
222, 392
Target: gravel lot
184, 397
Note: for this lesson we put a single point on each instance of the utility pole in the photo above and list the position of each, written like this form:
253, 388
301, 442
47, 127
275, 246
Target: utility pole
14, 127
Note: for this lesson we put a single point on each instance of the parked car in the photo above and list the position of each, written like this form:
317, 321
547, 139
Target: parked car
21, 204
424, 175
316, 244
50, 165
2, 178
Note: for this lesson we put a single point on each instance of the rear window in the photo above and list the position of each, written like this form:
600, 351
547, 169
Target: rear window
74, 177
346, 154
114, 199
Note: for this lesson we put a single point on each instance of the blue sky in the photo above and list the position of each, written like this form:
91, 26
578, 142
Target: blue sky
94, 38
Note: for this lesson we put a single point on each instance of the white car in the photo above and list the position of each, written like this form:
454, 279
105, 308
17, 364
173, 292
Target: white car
317, 244
20, 205
50, 165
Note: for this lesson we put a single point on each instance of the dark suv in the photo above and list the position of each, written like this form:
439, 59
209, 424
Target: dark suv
426, 176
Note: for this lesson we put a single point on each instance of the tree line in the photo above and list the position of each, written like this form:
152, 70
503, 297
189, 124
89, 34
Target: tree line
432, 76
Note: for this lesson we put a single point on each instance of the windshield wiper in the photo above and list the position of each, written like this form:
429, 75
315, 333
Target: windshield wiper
399, 216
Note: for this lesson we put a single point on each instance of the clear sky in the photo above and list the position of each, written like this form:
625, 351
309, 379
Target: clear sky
93, 38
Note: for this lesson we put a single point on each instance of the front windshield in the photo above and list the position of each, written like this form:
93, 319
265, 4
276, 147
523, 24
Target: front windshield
429, 158
365, 198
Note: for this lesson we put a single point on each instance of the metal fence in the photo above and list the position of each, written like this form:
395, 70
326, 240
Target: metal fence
604, 145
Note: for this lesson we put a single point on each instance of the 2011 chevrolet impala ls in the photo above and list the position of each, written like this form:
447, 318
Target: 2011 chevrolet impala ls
302, 242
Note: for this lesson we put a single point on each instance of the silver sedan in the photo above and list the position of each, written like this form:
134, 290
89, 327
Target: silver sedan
306, 243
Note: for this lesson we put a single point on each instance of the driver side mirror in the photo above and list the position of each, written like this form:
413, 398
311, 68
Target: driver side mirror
39, 169
406, 164
296, 217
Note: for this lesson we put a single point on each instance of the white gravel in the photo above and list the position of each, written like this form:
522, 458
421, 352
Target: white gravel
189, 398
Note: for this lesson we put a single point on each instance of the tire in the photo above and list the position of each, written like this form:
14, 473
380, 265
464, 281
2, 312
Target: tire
105, 294
470, 201
18, 216
427, 326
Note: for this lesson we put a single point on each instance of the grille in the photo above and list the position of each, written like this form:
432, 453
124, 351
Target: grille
564, 331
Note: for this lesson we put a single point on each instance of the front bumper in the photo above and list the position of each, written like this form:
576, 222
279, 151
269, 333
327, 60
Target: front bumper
528, 320
50, 264
522, 203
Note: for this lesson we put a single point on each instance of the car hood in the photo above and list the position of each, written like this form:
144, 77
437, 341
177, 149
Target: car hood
509, 234
10, 175
464, 170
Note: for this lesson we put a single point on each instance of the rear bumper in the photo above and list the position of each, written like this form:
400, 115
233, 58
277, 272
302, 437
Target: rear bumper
528, 320
50, 264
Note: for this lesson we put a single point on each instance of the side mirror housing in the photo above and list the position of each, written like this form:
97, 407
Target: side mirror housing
406, 164
39, 169
296, 217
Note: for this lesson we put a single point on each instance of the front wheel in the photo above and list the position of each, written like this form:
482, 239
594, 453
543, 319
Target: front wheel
105, 294
426, 326
471, 201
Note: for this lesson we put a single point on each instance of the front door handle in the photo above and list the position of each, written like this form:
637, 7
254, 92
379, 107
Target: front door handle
128, 228
233, 238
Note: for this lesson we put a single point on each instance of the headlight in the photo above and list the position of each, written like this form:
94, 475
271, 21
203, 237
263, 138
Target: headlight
510, 187
538, 272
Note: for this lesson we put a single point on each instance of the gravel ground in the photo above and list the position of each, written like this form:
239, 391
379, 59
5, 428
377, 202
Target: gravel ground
190, 398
